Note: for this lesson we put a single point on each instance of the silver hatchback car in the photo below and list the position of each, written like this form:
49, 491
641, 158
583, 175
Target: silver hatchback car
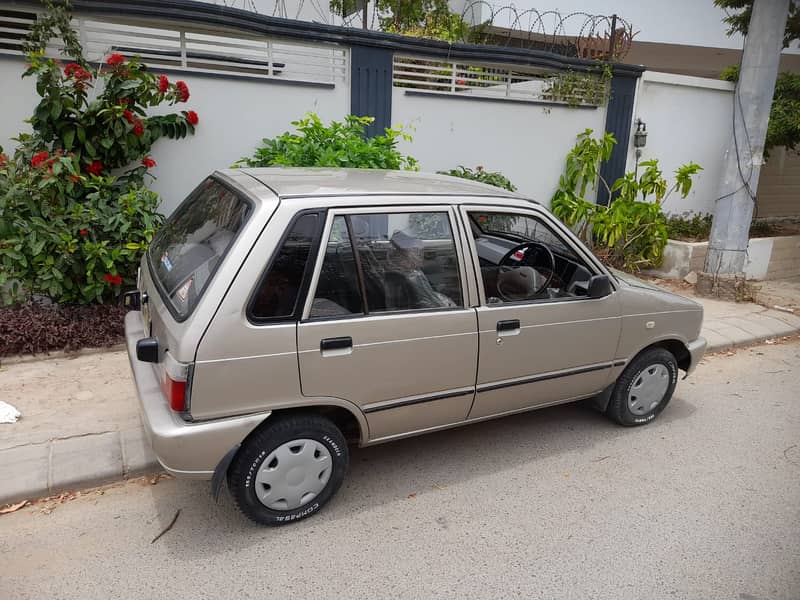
282, 314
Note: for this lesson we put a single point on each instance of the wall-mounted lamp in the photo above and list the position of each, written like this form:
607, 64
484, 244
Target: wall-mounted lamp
640, 136
639, 139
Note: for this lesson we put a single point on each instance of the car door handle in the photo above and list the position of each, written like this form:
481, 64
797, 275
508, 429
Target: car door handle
336, 346
508, 327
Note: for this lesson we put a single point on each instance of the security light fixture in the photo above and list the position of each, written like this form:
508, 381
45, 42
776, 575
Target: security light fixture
640, 136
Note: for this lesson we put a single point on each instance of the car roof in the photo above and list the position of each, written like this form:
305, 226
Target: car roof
295, 182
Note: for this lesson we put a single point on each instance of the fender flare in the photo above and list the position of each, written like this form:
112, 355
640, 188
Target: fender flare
221, 470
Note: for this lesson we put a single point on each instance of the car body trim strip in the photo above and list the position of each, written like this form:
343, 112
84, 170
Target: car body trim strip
489, 387
371, 408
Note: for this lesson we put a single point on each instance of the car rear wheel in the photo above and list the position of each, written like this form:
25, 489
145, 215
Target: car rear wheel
289, 469
644, 389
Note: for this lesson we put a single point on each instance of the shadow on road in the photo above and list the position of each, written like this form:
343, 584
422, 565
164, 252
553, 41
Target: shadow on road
391, 472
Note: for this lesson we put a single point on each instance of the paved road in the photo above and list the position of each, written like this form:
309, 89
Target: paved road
704, 503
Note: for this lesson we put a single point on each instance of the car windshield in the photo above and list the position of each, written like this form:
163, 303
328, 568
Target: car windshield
520, 228
192, 243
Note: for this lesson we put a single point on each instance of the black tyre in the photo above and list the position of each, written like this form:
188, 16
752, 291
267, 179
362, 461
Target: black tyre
288, 469
644, 389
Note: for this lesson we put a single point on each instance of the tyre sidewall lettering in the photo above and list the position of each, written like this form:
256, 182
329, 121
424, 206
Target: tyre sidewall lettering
253, 461
673, 375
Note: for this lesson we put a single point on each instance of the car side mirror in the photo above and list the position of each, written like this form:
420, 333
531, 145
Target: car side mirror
599, 286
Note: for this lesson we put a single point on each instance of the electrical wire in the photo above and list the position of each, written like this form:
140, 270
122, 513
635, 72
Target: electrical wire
745, 180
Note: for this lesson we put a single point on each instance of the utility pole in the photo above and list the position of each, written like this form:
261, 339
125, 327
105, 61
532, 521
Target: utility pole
751, 107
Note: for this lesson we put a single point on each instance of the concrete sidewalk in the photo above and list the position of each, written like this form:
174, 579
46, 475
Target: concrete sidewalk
81, 427
728, 324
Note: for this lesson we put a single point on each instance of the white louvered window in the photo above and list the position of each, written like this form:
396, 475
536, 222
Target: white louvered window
499, 81
177, 47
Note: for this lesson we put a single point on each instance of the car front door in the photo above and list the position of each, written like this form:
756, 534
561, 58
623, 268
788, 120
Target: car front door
542, 339
386, 325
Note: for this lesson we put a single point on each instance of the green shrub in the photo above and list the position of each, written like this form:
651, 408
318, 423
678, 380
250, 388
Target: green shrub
764, 229
783, 128
71, 230
480, 174
336, 145
689, 228
630, 233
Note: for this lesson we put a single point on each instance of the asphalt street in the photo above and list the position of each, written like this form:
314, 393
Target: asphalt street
559, 503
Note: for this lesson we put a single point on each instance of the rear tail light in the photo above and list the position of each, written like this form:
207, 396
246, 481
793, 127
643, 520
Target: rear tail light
175, 383
175, 392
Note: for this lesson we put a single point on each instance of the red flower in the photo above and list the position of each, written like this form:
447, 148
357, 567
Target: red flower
138, 129
115, 60
78, 72
192, 117
128, 116
3, 159
113, 279
84, 231
38, 159
95, 168
163, 84
183, 91
148, 162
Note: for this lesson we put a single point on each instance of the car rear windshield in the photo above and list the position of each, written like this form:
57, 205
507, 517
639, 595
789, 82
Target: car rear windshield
193, 242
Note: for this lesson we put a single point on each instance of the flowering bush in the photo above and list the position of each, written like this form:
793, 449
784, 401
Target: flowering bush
113, 130
75, 214
69, 236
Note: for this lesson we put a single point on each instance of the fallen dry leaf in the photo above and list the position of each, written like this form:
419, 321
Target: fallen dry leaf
413, 495
158, 477
13, 507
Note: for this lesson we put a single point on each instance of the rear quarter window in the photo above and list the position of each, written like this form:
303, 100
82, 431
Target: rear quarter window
193, 242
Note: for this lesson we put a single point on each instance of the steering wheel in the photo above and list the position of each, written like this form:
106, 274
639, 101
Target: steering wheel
532, 251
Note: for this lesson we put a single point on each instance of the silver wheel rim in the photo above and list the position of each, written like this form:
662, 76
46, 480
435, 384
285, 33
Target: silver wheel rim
293, 474
648, 389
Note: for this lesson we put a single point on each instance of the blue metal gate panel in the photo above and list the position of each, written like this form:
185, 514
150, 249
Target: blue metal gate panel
618, 121
371, 86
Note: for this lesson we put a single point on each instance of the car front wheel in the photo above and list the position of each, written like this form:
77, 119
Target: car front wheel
288, 469
644, 389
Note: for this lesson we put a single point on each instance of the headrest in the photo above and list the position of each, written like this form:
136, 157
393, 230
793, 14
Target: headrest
403, 241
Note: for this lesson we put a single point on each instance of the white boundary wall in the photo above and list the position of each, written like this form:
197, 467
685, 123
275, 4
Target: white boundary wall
527, 142
688, 119
235, 114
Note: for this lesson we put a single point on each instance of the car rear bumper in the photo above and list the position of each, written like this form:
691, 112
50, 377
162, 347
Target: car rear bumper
184, 449
697, 349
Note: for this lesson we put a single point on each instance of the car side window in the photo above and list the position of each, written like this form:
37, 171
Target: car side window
523, 259
338, 292
279, 291
409, 260
402, 261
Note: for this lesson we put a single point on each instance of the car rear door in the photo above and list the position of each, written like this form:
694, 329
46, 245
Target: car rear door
386, 325
540, 351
